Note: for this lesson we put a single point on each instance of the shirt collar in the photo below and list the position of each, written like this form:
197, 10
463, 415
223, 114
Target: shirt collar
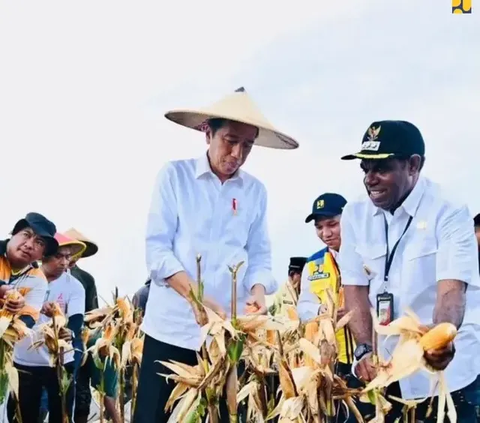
202, 167
412, 202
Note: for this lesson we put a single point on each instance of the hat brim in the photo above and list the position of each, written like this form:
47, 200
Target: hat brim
267, 135
91, 249
78, 247
50, 241
366, 156
314, 216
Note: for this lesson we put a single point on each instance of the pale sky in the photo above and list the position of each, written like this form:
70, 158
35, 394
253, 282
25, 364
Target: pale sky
84, 87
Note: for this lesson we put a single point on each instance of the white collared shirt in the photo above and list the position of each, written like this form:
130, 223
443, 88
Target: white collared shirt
192, 213
69, 293
439, 244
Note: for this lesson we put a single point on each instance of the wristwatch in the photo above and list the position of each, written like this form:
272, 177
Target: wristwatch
361, 350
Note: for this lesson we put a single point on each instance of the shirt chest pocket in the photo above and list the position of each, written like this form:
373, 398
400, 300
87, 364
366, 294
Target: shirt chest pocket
237, 219
420, 260
373, 257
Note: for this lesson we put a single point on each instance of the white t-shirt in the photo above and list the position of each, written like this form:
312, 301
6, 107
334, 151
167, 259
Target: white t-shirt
69, 293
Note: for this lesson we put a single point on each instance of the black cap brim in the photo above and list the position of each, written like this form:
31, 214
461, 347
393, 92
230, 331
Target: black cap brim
314, 216
367, 156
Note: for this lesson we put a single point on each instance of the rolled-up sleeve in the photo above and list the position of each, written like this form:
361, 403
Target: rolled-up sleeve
457, 254
308, 303
349, 261
258, 248
161, 228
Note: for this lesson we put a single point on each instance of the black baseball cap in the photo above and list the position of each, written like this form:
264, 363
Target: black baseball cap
390, 138
327, 205
297, 264
476, 220
43, 227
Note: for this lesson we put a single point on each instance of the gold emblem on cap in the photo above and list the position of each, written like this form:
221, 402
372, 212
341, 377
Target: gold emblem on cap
320, 204
373, 133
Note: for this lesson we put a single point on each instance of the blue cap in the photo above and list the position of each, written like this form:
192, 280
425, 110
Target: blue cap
327, 205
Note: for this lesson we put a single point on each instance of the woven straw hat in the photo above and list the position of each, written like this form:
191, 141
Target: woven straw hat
78, 247
91, 249
241, 108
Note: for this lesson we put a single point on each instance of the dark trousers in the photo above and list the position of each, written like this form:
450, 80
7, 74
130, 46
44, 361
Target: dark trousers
154, 390
466, 400
32, 380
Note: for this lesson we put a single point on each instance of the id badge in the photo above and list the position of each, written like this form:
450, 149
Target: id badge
385, 308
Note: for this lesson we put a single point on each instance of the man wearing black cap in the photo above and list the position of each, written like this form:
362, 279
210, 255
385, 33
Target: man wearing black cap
321, 272
32, 238
287, 295
408, 245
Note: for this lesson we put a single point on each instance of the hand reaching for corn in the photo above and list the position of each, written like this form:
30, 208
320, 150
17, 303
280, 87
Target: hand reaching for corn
256, 303
47, 309
365, 370
201, 315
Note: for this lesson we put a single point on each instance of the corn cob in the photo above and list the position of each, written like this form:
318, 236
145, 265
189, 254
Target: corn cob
292, 313
438, 337
311, 330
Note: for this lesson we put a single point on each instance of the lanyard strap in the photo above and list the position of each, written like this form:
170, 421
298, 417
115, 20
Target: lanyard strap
389, 257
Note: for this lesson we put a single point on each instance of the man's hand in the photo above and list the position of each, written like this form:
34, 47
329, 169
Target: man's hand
47, 309
14, 306
440, 359
4, 289
365, 370
340, 313
201, 315
256, 303
65, 334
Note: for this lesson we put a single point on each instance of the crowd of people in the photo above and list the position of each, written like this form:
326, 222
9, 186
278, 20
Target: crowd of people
404, 245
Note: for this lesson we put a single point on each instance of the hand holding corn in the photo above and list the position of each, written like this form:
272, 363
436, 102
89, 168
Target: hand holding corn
365, 369
13, 304
438, 345
47, 309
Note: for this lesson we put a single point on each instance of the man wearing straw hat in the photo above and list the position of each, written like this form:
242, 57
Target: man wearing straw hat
206, 206
83, 395
35, 366
87, 280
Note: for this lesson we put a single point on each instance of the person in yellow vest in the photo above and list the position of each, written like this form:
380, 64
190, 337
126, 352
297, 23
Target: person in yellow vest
321, 272
287, 295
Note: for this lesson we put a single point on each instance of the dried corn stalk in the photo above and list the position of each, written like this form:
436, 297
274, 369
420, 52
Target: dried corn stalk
408, 357
12, 330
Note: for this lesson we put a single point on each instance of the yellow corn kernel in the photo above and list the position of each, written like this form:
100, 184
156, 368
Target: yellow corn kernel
311, 330
271, 336
438, 337
292, 313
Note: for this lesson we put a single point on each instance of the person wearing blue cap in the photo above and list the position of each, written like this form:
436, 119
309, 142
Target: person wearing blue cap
408, 245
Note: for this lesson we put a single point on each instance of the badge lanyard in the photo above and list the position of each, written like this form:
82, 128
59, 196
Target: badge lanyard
385, 310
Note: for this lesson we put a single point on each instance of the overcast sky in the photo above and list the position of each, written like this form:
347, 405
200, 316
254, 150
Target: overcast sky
84, 86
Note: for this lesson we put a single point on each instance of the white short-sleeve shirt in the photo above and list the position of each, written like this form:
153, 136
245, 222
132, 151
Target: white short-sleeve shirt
69, 293
439, 244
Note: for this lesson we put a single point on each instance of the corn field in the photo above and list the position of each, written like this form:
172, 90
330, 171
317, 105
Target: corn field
301, 357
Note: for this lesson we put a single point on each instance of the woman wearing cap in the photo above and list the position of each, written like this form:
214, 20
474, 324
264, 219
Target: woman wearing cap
209, 207
34, 364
